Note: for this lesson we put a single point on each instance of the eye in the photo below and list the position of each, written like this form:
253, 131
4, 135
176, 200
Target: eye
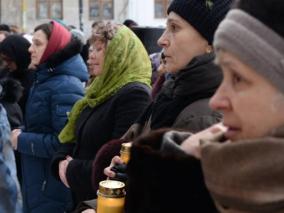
173, 27
99, 49
238, 80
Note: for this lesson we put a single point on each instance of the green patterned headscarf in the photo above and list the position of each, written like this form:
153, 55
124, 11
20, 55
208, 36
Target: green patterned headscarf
126, 60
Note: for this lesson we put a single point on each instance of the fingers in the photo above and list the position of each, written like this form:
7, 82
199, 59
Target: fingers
107, 171
69, 158
217, 128
192, 144
62, 172
116, 160
89, 211
210, 133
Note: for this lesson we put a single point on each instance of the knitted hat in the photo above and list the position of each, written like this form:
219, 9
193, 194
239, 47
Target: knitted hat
254, 43
203, 15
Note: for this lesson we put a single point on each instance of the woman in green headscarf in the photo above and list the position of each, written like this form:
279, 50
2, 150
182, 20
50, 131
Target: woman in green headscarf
113, 101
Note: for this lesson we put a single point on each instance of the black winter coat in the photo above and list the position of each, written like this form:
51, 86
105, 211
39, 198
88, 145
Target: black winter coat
95, 127
165, 180
10, 95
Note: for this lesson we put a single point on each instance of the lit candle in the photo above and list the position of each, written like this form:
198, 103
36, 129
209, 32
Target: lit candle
111, 197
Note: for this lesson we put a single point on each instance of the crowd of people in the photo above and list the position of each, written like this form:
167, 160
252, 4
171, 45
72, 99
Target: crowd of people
207, 135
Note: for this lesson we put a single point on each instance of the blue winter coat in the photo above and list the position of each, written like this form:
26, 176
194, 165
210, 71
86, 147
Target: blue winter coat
51, 97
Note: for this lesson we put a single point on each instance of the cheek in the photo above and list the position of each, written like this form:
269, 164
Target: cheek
261, 116
40, 52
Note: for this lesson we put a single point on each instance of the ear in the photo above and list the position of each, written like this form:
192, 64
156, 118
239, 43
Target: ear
209, 49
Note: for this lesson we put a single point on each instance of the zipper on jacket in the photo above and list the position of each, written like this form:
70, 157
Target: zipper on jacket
32, 148
43, 185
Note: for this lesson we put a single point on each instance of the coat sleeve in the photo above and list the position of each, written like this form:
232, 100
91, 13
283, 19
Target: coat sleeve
44, 145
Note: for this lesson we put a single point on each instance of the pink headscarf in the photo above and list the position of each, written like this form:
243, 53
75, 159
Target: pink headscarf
59, 38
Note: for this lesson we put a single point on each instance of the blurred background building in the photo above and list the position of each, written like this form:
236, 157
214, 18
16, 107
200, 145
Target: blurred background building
26, 14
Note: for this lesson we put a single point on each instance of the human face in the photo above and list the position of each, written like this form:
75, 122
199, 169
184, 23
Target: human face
38, 46
10, 64
252, 107
96, 58
2, 36
181, 43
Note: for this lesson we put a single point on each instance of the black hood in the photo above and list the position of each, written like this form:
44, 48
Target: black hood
16, 48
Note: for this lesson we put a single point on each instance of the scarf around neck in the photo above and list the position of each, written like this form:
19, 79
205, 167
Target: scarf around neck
246, 175
198, 80
126, 61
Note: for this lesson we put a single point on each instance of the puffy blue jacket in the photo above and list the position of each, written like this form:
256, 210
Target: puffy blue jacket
51, 97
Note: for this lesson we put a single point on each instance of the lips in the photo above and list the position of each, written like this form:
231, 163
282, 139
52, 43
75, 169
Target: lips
232, 131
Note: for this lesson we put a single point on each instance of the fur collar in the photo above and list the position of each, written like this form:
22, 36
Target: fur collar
247, 175
164, 181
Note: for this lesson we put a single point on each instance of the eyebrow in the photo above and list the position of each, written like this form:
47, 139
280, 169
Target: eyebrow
227, 63
170, 20
36, 39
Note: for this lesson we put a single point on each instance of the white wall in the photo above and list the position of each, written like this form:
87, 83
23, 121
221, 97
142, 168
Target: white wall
142, 11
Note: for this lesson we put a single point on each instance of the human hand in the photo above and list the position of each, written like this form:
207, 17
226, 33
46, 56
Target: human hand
62, 170
107, 171
192, 144
89, 211
14, 138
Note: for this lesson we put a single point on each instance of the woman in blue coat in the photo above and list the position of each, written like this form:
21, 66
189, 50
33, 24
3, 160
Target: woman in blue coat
59, 78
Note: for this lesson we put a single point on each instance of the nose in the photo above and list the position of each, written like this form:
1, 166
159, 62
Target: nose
30, 49
91, 57
220, 101
163, 40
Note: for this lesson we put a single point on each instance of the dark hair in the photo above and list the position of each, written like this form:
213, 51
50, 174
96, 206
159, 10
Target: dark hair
5, 27
269, 12
46, 28
130, 23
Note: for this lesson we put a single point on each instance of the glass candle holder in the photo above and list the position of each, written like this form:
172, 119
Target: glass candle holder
111, 197
125, 152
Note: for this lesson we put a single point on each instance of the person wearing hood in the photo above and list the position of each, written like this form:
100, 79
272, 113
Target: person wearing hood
14, 51
59, 79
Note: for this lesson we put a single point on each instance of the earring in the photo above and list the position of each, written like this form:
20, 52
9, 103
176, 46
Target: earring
209, 49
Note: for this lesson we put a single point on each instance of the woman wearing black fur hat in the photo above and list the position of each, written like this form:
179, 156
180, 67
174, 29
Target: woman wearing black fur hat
14, 51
